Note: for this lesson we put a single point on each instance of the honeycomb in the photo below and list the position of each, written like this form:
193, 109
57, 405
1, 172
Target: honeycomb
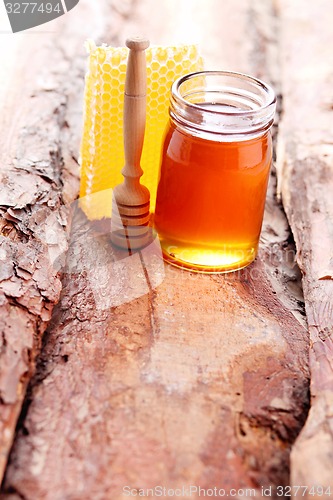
102, 154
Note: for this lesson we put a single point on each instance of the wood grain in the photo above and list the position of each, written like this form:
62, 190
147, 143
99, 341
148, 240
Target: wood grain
305, 158
202, 380
40, 130
130, 211
168, 389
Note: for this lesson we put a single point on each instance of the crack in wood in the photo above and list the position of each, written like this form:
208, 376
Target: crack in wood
127, 374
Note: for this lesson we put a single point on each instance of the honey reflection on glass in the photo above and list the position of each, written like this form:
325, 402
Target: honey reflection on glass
210, 200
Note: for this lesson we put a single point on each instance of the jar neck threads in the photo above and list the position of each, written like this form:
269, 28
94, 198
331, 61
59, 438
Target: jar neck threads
222, 105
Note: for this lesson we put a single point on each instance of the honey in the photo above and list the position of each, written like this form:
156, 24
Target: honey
210, 200
102, 149
213, 178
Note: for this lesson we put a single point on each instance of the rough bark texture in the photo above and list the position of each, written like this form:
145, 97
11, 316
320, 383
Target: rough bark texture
202, 380
30, 194
306, 180
40, 126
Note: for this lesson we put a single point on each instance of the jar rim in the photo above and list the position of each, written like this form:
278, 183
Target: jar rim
222, 105
271, 96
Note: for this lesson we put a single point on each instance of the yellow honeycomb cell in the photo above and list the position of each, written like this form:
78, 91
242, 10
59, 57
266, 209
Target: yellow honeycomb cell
102, 153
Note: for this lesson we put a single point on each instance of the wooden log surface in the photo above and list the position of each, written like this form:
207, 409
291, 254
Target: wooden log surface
202, 380
40, 130
305, 158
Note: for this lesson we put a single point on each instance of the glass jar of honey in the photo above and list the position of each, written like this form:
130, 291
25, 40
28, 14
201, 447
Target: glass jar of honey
214, 171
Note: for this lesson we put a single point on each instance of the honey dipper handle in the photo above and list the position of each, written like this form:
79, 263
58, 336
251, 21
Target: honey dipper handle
135, 114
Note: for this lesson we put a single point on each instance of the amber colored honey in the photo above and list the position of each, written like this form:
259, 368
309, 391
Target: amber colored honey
210, 200
102, 149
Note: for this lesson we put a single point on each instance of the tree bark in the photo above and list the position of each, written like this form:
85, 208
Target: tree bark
40, 130
306, 182
202, 380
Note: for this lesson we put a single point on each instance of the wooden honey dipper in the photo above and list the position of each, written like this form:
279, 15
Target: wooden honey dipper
130, 208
